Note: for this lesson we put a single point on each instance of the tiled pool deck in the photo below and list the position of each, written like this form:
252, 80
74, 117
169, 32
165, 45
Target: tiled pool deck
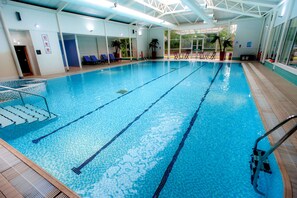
20, 177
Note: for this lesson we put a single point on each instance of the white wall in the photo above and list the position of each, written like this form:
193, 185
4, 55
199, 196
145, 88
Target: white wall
30, 17
22, 38
51, 63
157, 33
80, 24
142, 43
101, 46
38, 21
87, 45
247, 31
7, 66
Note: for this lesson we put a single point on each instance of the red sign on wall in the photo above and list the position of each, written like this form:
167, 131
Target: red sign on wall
46, 44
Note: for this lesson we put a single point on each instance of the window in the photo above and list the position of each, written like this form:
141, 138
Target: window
275, 41
289, 45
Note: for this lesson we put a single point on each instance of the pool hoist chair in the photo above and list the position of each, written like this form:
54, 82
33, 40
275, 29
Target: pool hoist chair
259, 161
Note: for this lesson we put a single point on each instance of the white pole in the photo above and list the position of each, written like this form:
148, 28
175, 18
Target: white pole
197, 47
137, 52
203, 44
62, 42
268, 36
130, 44
106, 42
77, 50
168, 43
192, 47
179, 44
14, 55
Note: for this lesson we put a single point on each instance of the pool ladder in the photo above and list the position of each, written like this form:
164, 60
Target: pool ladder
260, 158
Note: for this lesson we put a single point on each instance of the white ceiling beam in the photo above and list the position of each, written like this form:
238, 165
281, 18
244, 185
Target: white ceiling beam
174, 18
198, 10
235, 12
149, 5
256, 3
149, 13
174, 12
186, 19
61, 6
129, 3
122, 11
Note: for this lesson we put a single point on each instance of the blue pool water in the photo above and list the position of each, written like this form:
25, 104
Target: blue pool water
183, 129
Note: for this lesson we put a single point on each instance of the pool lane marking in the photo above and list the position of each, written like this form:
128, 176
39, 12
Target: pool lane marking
77, 170
185, 136
35, 141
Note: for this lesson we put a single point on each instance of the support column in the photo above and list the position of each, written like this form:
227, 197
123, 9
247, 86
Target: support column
268, 36
168, 44
261, 37
284, 29
179, 51
62, 41
203, 44
192, 46
106, 42
77, 50
197, 47
137, 52
130, 44
217, 44
14, 55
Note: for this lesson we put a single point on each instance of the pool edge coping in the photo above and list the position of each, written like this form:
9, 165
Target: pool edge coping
288, 191
55, 182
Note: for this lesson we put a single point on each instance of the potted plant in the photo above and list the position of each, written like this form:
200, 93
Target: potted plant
154, 45
117, 45
223, 45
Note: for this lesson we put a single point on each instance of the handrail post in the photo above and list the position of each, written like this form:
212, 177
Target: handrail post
273, 129
22, 98
261, 160
45, 101
275, 146
49, 113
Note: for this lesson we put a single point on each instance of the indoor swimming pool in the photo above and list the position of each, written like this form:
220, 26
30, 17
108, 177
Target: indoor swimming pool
149, 129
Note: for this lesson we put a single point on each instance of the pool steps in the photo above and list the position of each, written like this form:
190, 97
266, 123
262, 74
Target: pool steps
259, 161
21, 114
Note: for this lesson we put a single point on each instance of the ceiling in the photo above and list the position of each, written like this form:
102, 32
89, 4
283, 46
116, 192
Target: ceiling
174, 14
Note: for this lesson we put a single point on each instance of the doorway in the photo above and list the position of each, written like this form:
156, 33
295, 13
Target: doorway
23, 59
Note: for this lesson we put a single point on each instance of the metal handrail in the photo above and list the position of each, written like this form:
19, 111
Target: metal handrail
276, 145
25, 92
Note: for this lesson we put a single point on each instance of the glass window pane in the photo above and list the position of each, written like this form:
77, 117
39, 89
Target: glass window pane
289, 42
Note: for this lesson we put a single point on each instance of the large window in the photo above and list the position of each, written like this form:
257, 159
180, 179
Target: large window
275, 41
289, 45
193, 42
293, 56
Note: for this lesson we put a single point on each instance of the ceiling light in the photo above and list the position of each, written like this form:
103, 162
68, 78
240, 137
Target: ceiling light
122, 11
90, 27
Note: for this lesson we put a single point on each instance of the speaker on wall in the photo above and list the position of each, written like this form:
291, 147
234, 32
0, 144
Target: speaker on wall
18, 16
